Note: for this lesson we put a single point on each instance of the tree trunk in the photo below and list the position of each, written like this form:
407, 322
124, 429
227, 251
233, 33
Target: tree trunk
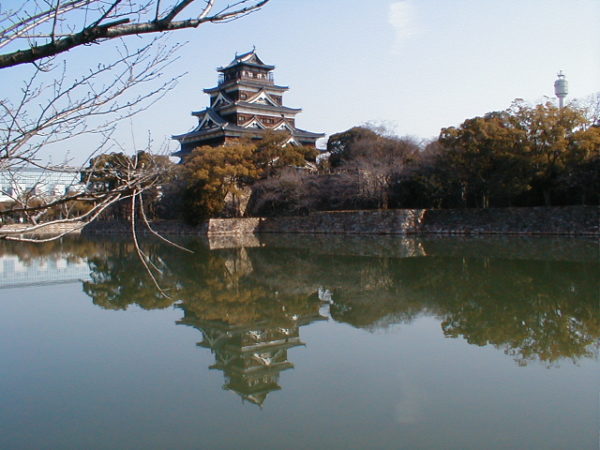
485, 201
547, 197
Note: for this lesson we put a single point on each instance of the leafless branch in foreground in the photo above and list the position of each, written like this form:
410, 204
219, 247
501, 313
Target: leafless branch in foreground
55, 108
53, 111
51, 30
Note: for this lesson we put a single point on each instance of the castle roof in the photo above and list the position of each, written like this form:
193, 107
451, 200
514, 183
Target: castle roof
249, 59
246, 83
220, 126
262, 107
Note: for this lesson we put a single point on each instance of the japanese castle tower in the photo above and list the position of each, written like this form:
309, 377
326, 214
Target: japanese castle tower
245, 104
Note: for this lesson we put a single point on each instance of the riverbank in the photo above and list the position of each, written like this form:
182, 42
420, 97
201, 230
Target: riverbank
43, 230
567, 220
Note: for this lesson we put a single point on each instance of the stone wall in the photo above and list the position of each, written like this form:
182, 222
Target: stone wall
399, 221
569, 220
162, 227
572, 220
54, 229
248, 225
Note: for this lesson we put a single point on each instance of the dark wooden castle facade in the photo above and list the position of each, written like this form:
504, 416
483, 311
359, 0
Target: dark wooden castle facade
246, 103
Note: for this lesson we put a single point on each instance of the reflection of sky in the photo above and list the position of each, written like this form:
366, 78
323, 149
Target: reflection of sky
56, 269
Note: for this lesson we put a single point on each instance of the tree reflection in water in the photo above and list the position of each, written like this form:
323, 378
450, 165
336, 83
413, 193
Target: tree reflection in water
249, 303
247, 326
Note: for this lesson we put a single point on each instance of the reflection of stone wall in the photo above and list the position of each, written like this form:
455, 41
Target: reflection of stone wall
547, 248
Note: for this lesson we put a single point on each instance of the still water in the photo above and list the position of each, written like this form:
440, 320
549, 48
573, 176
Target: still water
301, 342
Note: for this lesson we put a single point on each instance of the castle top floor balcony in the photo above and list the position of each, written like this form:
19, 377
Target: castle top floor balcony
258, 77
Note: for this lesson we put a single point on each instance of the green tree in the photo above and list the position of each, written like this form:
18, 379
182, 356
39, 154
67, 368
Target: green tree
484, 155
212, 174
555, 138
580, 181
526, 155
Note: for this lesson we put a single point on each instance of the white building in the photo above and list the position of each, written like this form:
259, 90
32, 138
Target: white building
47, 183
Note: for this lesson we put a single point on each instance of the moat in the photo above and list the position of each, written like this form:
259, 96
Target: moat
298, 341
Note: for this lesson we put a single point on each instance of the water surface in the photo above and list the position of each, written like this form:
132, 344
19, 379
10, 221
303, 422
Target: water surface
301, 342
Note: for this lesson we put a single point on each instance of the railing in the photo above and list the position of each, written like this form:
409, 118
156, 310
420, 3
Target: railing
269, 79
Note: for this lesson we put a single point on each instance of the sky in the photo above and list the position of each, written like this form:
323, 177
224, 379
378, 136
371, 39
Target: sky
414, 66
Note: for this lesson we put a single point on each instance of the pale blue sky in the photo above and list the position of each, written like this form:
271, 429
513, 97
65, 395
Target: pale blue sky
417, 65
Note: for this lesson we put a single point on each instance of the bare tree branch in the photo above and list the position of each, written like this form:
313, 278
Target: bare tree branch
158, 235
111, 24
70, 106
142, 256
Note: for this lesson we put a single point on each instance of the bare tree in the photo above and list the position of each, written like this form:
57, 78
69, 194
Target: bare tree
53, 106
376, 156
591, 106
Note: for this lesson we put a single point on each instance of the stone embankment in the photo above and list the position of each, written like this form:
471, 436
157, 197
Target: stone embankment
51, 229
569, 220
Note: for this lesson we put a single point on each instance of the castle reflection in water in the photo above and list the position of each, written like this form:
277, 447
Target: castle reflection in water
252, 356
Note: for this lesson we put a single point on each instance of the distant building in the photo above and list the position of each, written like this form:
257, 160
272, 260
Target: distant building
245, 104
561, 89
47, 183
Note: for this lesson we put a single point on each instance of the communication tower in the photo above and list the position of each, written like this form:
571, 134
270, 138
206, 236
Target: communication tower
561, 88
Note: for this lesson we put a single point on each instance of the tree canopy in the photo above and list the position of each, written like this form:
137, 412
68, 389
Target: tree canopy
523, 156
214, 174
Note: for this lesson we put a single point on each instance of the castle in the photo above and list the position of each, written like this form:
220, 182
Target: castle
246, 103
